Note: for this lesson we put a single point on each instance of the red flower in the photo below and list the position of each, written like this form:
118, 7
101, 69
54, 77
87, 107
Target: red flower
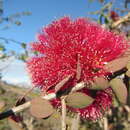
61, 42
65, 43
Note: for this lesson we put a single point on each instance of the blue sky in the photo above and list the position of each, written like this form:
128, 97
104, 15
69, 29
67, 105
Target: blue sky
43, 12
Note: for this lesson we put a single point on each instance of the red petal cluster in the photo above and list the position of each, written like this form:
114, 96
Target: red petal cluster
64, 43
60, 44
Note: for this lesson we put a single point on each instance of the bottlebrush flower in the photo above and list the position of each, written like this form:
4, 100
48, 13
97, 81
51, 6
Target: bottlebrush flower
64, 44
64, 41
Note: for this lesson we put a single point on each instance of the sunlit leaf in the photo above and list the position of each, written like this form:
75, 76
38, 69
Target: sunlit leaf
99, 83
119, 89
117, 64
41, 108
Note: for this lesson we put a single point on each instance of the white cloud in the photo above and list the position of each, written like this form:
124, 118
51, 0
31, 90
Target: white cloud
16, 73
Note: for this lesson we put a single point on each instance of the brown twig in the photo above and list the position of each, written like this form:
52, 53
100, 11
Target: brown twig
105, 123
63, 120
75, 122
78, 74
24, 95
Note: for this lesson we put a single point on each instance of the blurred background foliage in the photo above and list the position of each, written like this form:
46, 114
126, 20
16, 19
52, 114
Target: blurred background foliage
6, 22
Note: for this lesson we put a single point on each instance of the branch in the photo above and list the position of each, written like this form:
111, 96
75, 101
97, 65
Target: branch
28, 104
63, 120
11, 40
121, 20
105, 123
76, 122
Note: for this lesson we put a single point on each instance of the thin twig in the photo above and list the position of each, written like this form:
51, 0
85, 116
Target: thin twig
78, 73
11, 40
63, 120
105, 123
24, 95
75, 122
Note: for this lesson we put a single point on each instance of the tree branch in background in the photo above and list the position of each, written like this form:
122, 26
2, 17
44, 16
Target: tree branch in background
121, 20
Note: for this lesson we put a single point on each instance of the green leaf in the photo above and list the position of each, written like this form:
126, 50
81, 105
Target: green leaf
99, 83
24, 45
119, 89
78, 100
117, 64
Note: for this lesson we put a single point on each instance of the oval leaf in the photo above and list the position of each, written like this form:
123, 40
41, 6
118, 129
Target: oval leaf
117, 64
119, 89
41, 108
78, 100
99, 83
